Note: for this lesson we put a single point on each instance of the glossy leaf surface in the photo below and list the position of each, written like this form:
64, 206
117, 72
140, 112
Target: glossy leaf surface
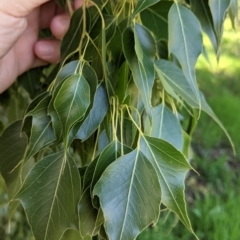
130, 196
96, 114
72, 101
174, 81
50, 195
155, 18
218, 9
141, 61
185, 30
171, 167
163, 120
42, 134
202, 11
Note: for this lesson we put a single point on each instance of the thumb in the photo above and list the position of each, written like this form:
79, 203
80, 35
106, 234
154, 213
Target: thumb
19, 8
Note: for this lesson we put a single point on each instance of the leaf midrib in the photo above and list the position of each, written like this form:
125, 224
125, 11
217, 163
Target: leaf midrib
186, 220
55, 194
129, 193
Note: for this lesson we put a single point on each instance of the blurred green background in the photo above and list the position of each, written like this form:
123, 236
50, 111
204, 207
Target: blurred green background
213, 196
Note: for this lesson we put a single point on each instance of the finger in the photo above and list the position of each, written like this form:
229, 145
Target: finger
10, 30
20, 8
78, 3
47, 12
59, 25
39, 63
48, 50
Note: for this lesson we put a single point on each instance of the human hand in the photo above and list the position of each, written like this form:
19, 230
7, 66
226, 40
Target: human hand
20, 48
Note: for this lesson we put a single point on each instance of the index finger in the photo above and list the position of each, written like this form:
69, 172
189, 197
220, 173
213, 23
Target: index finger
20, 8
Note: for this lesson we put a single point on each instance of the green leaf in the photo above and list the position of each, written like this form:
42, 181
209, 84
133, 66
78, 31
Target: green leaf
12, 148
185, 41
50, 195
110, 27
108, 156
218, 9
87, 214
171, 167
155, 19
202, 11
166, 126
174, 81
233, 11
141, 61
42, 134
99, 222
67, 71
87, 180
71, 40
173, 76
143, 4
96, 114
122, 82
73, 68
72, 234
62, 3
130, 196
30, 81
72, 101
36, 101
56, 124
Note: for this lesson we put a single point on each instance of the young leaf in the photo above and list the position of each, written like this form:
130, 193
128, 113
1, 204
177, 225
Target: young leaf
185, 41
42, 134
155, 19
95, 116
201, 9
130, 196
72, 101
162, 126
50, 195
218, 9
171, 167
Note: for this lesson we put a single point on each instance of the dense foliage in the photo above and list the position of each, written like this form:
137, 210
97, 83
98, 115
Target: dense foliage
103, 146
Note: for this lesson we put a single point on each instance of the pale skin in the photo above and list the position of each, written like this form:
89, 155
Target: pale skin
20, 48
